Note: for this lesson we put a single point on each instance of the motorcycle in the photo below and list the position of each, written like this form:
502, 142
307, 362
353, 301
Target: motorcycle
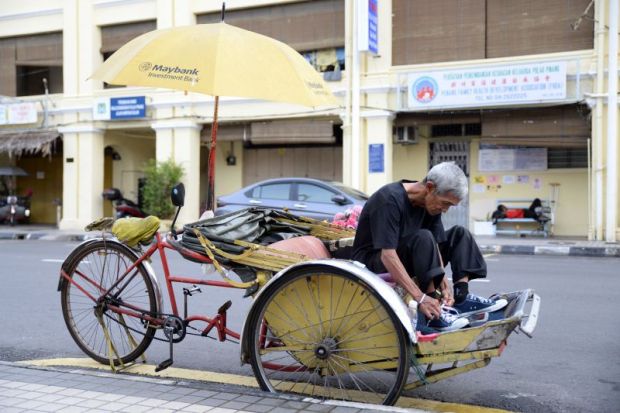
14, 209
124, 207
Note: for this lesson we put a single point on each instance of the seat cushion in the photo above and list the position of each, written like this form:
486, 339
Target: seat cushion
308, 245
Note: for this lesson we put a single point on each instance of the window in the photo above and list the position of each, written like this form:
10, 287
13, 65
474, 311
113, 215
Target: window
567, 158
352, 192
272, 191
113, 37
314, 193
325, 60
30, 80
304, 25
456, 129
26, 60
446, 30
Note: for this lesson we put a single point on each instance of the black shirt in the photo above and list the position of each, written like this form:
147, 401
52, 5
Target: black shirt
387, 218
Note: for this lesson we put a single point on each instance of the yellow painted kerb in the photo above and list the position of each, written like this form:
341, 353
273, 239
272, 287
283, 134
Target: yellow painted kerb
224, 378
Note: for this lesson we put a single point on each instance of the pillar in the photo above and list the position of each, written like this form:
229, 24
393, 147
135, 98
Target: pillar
179, 140
378, 140
82, 175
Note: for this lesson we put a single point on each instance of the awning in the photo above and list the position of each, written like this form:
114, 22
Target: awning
292, 132
28, 142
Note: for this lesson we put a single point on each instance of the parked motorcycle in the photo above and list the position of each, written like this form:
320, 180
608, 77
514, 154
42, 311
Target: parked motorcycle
124, 207
14, 209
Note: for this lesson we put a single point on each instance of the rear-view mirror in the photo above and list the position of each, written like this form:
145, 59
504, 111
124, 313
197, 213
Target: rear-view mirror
339, 199
177, 195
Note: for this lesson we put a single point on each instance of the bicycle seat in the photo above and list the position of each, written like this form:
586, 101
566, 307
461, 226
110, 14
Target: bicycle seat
131, 231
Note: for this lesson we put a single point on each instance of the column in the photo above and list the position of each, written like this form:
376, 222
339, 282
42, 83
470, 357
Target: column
377, 152
81, 44
179, 140
174, 13
82, 175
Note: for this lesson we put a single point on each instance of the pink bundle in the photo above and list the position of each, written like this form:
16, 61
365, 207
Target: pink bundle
349, 218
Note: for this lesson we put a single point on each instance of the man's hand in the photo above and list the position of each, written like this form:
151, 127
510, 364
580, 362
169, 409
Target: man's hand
446, 291
430, 307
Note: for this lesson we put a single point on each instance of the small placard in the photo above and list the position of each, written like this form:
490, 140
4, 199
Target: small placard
376, 161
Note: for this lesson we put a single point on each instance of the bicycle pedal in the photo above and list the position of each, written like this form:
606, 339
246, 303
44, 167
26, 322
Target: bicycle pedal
224, 307
163, 365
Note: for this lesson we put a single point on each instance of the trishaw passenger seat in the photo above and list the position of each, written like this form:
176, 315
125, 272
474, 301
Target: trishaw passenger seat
308, 245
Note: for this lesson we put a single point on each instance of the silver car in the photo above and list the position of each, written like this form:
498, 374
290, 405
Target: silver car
313, 198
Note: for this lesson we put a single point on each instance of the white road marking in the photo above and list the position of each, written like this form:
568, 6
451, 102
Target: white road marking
52, 260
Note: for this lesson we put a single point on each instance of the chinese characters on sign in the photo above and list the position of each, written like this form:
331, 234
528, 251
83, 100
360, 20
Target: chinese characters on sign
524, 83
18, 113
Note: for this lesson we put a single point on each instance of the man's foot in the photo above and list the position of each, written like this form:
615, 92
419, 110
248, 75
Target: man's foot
474, 304
449, 320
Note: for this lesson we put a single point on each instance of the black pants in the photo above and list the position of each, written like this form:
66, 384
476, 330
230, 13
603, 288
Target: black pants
418, 253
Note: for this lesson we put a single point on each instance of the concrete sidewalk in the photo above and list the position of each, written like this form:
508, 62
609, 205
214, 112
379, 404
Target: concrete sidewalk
26, 388
530, 245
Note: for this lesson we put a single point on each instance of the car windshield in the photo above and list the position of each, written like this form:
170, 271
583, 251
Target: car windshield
355, 193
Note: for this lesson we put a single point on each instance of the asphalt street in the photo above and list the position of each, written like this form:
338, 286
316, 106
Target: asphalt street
571, 364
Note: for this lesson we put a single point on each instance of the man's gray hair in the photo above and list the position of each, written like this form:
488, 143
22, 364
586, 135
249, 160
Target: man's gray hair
448, 178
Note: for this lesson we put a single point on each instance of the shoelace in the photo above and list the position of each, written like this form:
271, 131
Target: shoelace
449, 314
479, 299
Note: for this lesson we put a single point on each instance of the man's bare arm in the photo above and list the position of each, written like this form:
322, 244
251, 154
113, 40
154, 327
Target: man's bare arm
429, 306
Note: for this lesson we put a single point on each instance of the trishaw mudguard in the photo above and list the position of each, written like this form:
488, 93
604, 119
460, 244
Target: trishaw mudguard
356, 269
129, 251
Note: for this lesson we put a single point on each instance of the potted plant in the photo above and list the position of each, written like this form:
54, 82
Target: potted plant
160, 178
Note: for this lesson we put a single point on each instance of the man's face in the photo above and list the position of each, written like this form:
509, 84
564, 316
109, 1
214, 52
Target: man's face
437, 204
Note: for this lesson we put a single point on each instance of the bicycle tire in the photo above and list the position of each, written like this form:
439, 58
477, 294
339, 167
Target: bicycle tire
357, 352
106, 260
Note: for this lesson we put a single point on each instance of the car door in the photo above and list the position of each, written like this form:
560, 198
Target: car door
315, 201
276, 195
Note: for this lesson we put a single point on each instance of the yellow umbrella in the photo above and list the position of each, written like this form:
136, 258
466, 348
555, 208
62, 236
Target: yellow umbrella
220, 60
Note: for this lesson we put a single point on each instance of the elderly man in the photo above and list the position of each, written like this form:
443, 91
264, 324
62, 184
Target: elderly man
400, 232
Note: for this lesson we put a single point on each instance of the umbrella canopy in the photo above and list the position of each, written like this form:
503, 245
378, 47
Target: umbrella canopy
12, 171
220, 60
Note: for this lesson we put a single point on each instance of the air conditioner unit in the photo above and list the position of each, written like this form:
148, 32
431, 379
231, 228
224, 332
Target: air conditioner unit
406, 135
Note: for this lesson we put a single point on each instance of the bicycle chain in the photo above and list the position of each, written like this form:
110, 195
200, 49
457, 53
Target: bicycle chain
187, 326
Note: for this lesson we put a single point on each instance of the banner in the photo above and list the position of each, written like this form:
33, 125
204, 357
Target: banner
487, 86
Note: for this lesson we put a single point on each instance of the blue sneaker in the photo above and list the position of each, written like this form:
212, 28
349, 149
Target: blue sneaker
449, 320
474, 304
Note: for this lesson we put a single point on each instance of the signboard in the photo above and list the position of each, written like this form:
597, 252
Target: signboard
3, 117
20, 113
127, 107
376, 162
368, 28
487, 86
527, 159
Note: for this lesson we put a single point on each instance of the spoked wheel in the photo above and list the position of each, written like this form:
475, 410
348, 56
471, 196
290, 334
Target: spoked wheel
94, 269
324, 333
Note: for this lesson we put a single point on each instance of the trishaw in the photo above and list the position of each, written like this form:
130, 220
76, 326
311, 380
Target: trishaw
318, 326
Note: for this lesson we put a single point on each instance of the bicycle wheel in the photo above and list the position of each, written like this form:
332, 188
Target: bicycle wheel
323, 332
93, 270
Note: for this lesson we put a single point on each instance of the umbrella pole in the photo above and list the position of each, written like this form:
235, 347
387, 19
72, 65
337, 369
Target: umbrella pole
211, 188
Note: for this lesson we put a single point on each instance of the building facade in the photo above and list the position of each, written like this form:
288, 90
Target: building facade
517, 93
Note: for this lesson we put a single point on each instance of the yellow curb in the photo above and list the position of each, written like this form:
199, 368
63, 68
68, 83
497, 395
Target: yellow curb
225, 378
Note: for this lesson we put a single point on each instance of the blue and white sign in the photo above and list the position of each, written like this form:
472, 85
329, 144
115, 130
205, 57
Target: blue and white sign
487, 86
376, 159
368, 26
127, 107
